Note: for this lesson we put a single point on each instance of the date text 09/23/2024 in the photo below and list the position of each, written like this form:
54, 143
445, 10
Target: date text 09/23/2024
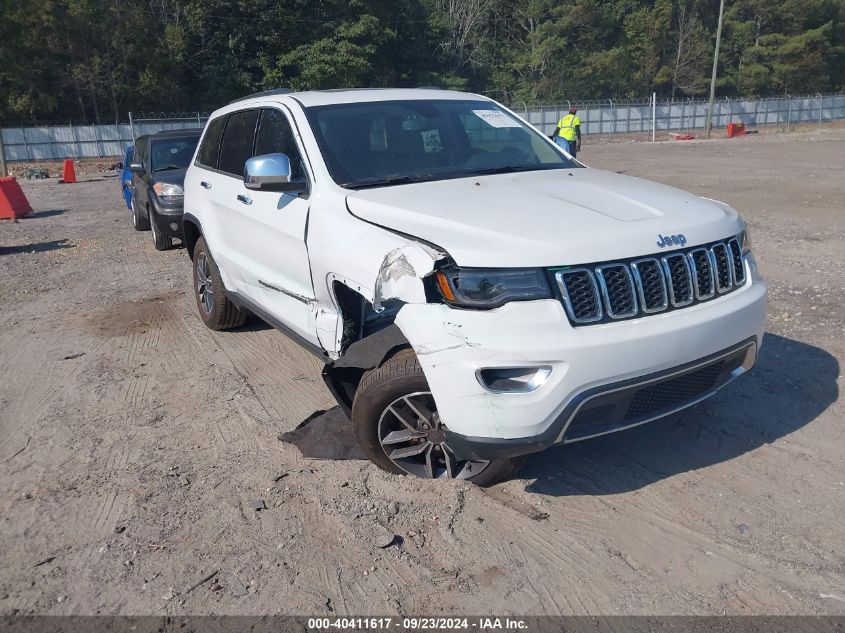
420, 623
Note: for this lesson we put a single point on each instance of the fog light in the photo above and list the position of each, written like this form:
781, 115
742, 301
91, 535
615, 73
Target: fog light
513, 379
173, 226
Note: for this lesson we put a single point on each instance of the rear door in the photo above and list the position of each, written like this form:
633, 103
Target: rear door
203, 181
265, 231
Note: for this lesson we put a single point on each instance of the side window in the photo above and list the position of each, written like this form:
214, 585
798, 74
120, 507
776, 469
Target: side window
276, 136
238, 137
210, 147
139, 153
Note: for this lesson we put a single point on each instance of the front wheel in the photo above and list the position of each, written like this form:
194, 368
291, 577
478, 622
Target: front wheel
162, 242
140, 222
398, 427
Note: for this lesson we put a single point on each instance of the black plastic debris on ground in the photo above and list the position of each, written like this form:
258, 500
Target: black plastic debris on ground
325, 435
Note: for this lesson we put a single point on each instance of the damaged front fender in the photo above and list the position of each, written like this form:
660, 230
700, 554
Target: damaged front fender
401, 274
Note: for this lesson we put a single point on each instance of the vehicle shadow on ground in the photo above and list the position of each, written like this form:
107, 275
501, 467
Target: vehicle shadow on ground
44, 214
792, 384
35, 247
253, 324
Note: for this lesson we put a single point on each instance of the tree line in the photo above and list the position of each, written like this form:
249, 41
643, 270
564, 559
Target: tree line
94, 60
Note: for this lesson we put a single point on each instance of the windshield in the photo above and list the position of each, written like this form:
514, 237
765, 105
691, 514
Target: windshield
172, 153
396, 142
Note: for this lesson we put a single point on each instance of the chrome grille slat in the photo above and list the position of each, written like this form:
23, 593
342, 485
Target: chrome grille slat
737, 265
702, 274
596, 293
580, 294
721, 263
651, 284
680, 279
617, 289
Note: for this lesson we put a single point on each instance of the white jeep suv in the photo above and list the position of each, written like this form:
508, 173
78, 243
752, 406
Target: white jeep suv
476, 294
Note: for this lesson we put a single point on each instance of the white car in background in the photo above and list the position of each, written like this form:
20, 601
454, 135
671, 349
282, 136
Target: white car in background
475, 293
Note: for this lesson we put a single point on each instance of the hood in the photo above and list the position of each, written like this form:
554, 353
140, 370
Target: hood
171, 176
545, 218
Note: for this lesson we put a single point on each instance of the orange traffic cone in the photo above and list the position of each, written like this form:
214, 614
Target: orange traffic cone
13, 202
69, 173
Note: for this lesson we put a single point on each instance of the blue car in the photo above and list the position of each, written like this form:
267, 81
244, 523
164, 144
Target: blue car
126, 176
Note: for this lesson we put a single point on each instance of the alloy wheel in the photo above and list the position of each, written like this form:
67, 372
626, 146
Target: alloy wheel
205, 290
412, 437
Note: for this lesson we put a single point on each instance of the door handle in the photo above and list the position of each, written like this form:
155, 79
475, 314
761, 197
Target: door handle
244, 199
205, 184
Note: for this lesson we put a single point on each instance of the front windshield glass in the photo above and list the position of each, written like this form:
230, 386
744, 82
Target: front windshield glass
173, 153
395, 142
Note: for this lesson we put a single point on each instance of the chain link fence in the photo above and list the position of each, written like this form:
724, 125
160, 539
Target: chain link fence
609, 117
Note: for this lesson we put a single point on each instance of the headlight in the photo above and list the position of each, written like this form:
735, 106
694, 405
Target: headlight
168, 192
489, 288
745, 241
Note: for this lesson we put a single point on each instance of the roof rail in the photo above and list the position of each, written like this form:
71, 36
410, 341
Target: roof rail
265, 93
429, 88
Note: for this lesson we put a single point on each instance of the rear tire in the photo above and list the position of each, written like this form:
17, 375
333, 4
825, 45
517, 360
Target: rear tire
398, 427
140, 222
215, 308
162, 242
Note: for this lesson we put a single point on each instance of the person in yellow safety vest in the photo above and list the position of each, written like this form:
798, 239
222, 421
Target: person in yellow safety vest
568, 132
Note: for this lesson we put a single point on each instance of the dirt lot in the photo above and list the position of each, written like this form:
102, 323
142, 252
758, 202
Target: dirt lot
133, 442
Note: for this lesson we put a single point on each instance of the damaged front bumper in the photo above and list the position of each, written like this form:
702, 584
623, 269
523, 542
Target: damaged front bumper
693, 352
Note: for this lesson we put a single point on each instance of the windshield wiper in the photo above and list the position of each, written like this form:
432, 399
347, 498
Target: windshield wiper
508, 169
386, 182
168, 167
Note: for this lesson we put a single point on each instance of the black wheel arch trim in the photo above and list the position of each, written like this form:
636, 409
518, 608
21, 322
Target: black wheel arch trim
343, 375
190, 238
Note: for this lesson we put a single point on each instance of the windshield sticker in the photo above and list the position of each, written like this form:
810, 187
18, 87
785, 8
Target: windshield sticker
495, 118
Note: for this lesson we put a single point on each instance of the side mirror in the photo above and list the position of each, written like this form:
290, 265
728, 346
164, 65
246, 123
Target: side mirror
270, 172
136, 168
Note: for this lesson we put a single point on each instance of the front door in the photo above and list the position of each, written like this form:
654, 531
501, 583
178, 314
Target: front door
264, 231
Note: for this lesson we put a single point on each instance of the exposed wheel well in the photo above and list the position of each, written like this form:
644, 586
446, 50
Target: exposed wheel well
369, 338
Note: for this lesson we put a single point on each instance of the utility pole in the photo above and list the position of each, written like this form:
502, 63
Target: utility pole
3, 171
709, 123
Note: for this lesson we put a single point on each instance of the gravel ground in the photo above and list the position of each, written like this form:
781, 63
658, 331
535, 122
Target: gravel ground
135, 444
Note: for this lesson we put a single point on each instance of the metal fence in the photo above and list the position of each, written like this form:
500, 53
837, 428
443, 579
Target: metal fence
90, 141
597, 117
641, 116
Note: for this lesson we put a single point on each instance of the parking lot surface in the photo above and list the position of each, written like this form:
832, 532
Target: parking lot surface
135, 444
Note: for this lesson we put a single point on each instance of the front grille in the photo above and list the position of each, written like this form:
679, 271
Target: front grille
609, 291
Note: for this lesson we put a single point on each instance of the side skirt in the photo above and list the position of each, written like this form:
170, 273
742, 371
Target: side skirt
244, 303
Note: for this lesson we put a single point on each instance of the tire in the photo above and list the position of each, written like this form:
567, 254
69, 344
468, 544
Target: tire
215, 308
391, 406
162, 242
140, 222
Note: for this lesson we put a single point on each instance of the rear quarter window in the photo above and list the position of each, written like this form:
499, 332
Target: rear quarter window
210, 147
